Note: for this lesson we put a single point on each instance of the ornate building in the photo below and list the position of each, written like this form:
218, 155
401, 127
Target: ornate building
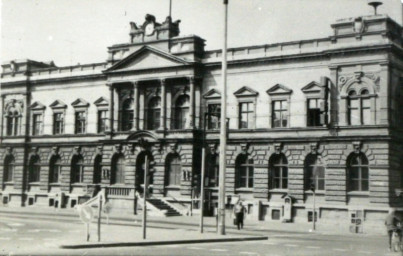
325, 111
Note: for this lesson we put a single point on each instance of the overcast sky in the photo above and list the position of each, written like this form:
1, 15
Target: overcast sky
78, 31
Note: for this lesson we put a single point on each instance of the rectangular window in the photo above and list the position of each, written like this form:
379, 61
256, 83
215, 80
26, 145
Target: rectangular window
314, 112
366, 111
37, 124
355, 117
214, 114
58, 123
80, 122
279, 115
102, 121
246, 115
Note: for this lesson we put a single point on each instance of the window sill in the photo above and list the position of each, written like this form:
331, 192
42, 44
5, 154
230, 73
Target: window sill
54, 184
317, 192
9, 183
173, 187
78, 184
358, 193
35, 183
247, 190
278, 191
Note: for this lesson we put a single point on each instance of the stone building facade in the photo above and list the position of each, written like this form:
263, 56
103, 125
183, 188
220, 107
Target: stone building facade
325, 111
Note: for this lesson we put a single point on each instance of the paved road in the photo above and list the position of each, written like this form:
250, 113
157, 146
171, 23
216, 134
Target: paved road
22, 235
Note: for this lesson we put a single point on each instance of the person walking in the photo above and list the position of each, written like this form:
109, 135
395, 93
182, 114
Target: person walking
239, 212
391, 223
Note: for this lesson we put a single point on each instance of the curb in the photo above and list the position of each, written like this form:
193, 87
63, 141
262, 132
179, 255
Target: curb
151, 243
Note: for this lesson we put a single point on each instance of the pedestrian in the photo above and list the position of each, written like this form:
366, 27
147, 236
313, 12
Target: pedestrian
239, 213
392, 222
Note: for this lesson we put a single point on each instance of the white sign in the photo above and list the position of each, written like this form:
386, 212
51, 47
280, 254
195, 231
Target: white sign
85, 213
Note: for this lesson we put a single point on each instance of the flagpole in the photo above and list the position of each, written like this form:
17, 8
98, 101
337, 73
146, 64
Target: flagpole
223, 129
170, 8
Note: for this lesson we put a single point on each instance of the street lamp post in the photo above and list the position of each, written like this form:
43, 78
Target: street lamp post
223, 129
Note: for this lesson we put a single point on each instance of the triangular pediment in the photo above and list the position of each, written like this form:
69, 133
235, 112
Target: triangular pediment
101, 102
246, 92
79, 103
58, 104
212, 94
312, 87
37, 106
147, 58
279, 89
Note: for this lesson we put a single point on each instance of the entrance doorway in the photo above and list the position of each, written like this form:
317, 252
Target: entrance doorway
140, 171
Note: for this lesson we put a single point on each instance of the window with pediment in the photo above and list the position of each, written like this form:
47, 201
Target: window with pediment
153, 113
280, 106
102, 114
213, 109
316, 103
13, 117
59, 111
37, 114
80, 116
247, 99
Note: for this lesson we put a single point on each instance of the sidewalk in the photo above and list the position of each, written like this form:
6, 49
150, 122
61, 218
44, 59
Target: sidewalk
192, 221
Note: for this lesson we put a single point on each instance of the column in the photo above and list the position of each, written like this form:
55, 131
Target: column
192, 102
2, 113
135, 106
142, 124
383, 107
168, 108
111, 110
163, 105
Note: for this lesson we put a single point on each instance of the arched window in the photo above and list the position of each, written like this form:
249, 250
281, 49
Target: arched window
118, 170
55, 169
97, 170
13, 118
77, 169
174, 170
34, 169
127, 115
358, 172
359, 108
153, 113
181, 112
244, 171
278, 171
212, 163
9, 164
314, 172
